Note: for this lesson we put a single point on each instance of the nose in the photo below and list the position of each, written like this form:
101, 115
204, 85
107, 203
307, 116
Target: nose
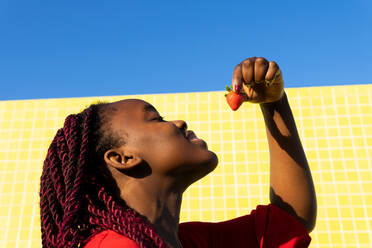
181, 124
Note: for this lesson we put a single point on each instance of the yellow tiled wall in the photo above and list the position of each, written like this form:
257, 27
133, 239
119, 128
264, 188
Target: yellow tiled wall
334, 123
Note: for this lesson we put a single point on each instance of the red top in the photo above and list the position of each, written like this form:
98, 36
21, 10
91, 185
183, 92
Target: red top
266, 226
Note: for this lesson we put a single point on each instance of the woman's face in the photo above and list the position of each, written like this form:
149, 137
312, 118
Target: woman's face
166, 146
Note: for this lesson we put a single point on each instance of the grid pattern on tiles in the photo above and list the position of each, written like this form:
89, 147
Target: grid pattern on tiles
334, 123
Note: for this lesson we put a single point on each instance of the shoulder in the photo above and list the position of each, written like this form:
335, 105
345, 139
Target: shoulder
108, 238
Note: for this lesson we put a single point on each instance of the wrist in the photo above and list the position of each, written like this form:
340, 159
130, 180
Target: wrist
283, 99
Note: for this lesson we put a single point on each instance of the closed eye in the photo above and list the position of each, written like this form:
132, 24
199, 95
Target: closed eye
159, 118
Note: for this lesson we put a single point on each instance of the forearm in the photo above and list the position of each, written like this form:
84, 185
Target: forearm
291, 184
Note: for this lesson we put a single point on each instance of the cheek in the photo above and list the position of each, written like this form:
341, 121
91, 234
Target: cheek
157, 145
175, 153
167, 152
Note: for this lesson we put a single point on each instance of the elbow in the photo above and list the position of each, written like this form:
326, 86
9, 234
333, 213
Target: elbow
304, 210
306, 215
310, 218
309, 223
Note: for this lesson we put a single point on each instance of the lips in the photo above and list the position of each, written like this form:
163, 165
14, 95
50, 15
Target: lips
190, 135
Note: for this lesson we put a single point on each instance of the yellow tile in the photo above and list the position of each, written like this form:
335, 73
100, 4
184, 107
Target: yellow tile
349, 238
348, 153
366, 109
327, 177
357, 199
363, 238
354, 188
361, 153
344, 131
319, 123
352, 100
368, 200
341, 111
206, 203
322, 143
348, 225
352, 176
344, 121
332, 213
230, 191
323, 238
231, 214
362, 224
369, 140
330, 112
357, 131
316, 101
334, 143
355, 120
206, 216
243, 203
340, 176
336, 154
194, 215
336, 238
359, 142
254, 201
194, 204
359, 212
345, 212
219, 203
220, 215
323, 154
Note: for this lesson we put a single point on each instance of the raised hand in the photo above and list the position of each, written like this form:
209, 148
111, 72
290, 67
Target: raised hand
258, 80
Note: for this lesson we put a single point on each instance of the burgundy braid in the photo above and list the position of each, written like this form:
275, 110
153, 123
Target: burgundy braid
75, 201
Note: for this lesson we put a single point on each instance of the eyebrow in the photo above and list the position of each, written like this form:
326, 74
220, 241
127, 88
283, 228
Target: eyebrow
150, 108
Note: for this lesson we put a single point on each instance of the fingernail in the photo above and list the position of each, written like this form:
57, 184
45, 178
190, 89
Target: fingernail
237, 87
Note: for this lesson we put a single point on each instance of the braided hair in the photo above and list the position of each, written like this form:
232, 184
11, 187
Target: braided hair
78, 196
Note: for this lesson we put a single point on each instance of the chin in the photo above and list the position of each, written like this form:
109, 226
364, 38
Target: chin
209, 165
193, 171
214, 160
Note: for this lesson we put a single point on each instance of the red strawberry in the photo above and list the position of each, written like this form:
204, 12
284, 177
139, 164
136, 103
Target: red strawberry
234, 99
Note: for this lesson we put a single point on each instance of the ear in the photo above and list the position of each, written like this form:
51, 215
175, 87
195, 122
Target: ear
122, 158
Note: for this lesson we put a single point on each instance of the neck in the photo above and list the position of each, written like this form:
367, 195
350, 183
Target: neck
155, 200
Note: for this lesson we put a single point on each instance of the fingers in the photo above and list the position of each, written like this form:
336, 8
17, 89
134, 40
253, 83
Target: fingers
260, 69
248, 69
272, 71
254, 70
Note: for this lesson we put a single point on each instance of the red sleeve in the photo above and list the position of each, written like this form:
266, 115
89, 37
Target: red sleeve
110, 239
266, 227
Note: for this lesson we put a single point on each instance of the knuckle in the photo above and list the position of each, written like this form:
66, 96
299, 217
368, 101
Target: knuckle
237, 67
247, 63
273, 64
261, 61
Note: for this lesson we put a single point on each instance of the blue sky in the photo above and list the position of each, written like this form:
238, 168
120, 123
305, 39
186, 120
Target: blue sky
52, 49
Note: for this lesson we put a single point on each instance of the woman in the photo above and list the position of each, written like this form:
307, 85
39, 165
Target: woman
115, 173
